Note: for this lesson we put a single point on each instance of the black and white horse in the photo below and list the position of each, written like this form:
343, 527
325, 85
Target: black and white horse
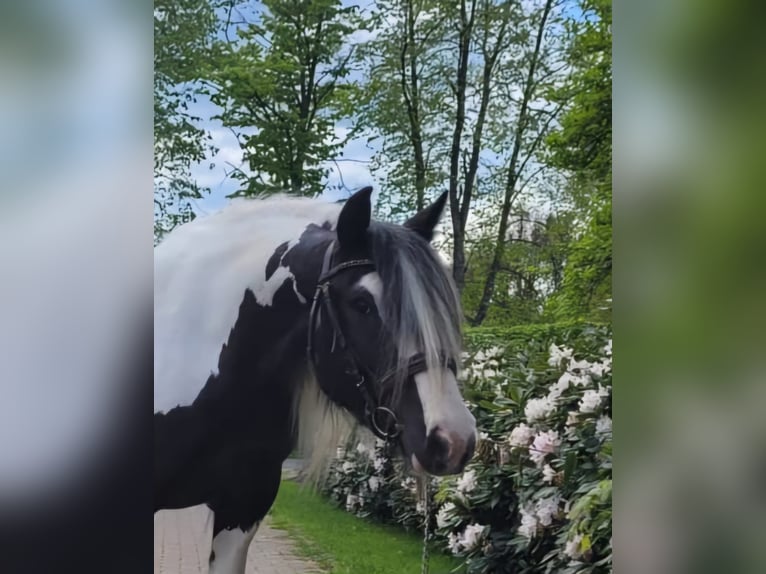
241, 296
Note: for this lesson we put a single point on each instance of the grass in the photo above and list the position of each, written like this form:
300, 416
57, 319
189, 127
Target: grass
344, 544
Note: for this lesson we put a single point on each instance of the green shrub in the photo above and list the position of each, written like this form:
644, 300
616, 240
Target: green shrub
537, 495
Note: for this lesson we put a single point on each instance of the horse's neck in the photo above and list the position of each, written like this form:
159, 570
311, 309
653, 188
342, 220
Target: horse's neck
259, 362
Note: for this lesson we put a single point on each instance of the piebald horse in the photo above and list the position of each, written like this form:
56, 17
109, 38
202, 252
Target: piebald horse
285, 322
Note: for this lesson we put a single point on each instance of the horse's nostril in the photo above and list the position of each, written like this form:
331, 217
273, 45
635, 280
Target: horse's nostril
438, 445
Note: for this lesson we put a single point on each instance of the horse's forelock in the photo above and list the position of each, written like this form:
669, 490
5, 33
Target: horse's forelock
421, 304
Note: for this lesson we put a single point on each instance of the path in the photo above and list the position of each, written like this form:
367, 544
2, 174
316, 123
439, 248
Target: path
182, 544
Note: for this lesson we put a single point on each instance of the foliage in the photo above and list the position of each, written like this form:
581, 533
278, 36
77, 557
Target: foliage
537, 495
530, 271
183, 31
583, 146
282, 87
443, 100
344, 544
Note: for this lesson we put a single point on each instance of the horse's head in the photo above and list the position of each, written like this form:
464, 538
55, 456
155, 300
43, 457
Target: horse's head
385, 336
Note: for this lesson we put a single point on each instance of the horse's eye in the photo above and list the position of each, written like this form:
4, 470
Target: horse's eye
361, 305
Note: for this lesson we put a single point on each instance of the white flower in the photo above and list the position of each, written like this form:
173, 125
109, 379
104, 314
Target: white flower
602, 367
572, 547
548, 474
608, 348
374, 483
558, 354
443, 516
573, 417
560, 386
521, 435
347, 467
378, 463
590, 401
537, 409
604, 425
453, 543
471, 536
582, 366
351, 501
489, 373
544, 444
528, 527
467, 482
547, 509
483, 436
603, 391
495, 352
363, 449
408, 484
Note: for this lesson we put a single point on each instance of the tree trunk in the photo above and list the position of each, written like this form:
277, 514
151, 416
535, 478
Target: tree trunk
512, 180
411, 93
458, 225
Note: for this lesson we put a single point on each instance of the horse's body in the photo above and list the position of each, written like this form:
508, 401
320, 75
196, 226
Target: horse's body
233, 387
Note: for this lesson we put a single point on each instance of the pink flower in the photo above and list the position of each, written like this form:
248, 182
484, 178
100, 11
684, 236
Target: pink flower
545, 443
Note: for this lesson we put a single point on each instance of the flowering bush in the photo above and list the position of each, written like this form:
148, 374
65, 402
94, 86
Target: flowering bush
537, 495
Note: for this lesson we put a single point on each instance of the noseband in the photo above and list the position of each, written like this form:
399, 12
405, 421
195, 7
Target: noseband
382, 420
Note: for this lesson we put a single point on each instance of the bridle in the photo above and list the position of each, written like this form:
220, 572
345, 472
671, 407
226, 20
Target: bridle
382, 420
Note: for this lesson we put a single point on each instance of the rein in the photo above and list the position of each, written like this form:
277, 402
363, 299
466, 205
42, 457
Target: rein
382, 420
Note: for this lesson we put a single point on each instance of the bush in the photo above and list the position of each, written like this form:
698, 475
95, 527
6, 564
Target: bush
537, 495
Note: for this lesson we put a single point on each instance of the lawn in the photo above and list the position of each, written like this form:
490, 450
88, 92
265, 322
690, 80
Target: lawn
345, 544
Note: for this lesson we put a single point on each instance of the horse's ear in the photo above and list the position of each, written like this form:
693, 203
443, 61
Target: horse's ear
354, 218
425, 220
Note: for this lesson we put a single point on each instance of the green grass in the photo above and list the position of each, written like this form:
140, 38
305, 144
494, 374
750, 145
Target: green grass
345, 544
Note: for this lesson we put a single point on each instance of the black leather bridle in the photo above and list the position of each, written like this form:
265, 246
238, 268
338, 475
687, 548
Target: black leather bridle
382, 420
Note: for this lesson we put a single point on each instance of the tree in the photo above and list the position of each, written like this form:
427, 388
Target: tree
183, 32
403, 98
533, 75
583, 146
445, 79
281, 85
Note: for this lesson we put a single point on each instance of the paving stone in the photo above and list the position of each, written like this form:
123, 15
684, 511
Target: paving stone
182, 541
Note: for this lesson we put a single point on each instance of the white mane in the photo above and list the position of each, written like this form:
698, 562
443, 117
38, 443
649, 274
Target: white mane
201, 271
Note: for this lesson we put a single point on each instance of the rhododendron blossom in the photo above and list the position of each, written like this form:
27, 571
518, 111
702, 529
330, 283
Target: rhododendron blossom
558, 355
521, 435
547, 509
572, 547
604, 425
537, 409
528, 527
471, 536
548, 474
590, 401
545, 443
467, 482
374, 483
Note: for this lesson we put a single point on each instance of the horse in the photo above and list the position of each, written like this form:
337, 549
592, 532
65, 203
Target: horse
286, 322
